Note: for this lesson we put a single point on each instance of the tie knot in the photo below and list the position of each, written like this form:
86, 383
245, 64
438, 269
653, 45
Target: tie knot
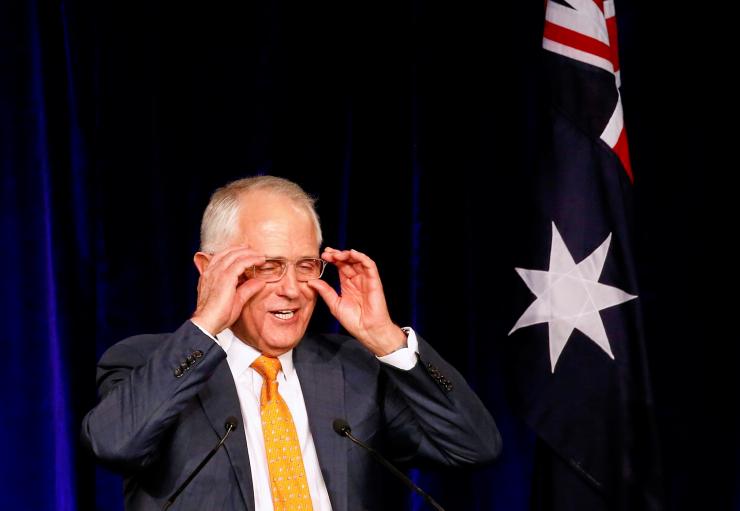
268, 367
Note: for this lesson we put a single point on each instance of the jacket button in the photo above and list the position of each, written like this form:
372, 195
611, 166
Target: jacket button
184, 366
198, 354
178, 372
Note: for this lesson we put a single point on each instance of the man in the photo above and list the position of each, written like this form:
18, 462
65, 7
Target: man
165, 398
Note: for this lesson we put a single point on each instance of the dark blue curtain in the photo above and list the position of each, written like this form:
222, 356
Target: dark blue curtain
45, 293
414, 124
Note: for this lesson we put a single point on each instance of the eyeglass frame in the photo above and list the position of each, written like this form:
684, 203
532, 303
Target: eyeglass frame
286, 262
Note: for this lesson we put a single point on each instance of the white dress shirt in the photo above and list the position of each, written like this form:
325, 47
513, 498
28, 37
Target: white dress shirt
240, 356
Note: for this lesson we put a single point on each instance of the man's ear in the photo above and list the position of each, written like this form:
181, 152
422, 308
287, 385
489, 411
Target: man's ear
201, 260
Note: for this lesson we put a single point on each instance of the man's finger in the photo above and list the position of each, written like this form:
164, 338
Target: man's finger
326, 292
353, 257
357, 263
226, 257
333, 255
339, 260
242, 262
367, 263
346, 270
217, 257
249, 288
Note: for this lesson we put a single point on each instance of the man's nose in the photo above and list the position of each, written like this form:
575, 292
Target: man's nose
288, 286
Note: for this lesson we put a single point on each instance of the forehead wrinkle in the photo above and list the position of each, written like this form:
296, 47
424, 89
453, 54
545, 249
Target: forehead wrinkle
278, 228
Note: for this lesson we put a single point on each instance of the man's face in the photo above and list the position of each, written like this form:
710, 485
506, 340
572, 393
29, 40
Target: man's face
275, 319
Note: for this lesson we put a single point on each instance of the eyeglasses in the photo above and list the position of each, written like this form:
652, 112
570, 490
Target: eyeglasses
274, 268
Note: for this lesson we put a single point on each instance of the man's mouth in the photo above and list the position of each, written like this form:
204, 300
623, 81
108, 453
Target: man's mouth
284, 314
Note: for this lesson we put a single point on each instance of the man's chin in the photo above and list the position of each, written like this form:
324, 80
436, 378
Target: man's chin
284, 341
276, 348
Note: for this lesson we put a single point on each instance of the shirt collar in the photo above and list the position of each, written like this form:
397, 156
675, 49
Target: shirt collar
240, 355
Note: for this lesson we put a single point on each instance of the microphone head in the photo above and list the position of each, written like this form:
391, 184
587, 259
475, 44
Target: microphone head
341, 427
231, 423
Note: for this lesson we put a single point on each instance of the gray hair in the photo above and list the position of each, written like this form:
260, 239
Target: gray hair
221, 217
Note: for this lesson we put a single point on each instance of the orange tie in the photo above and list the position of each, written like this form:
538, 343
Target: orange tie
284, 462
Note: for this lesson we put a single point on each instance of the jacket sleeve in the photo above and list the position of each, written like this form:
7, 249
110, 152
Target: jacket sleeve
433, 404
144, 383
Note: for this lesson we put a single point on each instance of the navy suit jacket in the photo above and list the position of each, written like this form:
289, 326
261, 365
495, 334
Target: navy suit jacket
165, 398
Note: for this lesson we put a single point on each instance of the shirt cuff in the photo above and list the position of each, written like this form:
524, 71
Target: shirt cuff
404, 358
206, 332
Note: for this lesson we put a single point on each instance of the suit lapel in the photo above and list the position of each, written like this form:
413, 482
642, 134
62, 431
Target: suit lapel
322, 383
220, 400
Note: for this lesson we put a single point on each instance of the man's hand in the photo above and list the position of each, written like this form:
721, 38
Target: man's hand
223, 288
361, 307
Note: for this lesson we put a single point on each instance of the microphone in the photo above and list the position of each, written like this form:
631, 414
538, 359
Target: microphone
230, 426
341, 427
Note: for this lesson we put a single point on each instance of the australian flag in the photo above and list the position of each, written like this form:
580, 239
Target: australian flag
580, 373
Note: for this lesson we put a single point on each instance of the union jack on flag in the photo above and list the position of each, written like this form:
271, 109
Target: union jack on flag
586, 30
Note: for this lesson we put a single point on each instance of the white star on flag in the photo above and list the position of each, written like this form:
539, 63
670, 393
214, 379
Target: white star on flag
570, 297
